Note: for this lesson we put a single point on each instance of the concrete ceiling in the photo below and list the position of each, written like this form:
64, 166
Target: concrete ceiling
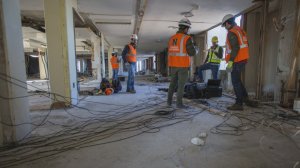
116, 18
159, 15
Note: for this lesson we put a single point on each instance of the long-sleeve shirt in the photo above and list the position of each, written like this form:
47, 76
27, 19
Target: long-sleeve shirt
234, 43
219, 54
125, 52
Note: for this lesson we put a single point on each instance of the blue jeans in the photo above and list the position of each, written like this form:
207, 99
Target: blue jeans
239, 89
115, 73
213, 67
131, 73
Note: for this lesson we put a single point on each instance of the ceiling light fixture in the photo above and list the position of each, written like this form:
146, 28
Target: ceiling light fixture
190, 12
187, 14
172, 27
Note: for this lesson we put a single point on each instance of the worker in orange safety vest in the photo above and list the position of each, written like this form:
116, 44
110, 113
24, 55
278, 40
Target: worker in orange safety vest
115, 65
129, 58
237, 55
180, 48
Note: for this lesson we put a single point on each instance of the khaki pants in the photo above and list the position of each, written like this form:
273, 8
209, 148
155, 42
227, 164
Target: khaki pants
179, 77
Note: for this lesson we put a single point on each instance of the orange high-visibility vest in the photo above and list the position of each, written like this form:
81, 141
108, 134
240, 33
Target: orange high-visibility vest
131, 55
114, 62
177, 54
243, 53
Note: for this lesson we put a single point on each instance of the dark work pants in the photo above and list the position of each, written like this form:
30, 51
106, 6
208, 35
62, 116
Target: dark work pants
131, 74
239, 88
213, 67
179, 77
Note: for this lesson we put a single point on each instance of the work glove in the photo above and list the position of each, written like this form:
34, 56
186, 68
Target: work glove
127, 64
229, 66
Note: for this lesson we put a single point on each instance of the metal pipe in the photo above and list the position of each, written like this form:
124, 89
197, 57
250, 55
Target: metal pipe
139, 14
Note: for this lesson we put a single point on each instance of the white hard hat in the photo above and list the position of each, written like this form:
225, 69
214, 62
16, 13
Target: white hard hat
134, 36
226, 17
185, 22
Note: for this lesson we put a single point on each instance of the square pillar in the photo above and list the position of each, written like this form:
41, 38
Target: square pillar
102, 56
13, 110
96, 62
43, 64
110, 70
61, 50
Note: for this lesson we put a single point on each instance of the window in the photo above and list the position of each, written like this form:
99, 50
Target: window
221, 32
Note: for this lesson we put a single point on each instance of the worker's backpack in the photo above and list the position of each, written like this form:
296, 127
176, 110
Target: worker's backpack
116, 85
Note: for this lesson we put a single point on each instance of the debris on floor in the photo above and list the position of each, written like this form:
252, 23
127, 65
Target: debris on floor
95, 122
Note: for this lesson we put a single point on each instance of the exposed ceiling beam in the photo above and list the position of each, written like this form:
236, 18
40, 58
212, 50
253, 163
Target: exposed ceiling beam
37, 25
78, 19
90, 24
139, 14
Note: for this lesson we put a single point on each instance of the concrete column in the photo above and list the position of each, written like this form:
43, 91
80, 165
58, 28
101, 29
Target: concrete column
43, 66
102, 55
61, 50
12, 68
96, 63
121, 63
110, 70
144, 65
81, 65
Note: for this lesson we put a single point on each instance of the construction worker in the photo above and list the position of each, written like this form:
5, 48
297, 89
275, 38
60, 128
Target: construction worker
129, 57
213, 60
237, 54
115, 65
180, 48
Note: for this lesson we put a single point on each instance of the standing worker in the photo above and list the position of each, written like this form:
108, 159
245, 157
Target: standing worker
115, 65
129, 57
213, 60
180, 49
237, 54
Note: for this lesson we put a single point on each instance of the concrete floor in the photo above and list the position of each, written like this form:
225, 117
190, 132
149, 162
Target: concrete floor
171, 147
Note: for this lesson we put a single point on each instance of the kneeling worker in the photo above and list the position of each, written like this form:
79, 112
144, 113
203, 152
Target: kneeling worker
213, 60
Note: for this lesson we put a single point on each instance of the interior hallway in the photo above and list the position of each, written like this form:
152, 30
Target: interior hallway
55, 53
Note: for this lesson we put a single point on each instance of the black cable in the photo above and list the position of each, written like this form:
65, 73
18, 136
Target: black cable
104, 127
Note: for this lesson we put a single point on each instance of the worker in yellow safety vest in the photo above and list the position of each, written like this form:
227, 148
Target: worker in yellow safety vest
213, 60
180, 48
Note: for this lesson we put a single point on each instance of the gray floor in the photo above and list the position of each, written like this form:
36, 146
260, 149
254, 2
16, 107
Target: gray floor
264, 144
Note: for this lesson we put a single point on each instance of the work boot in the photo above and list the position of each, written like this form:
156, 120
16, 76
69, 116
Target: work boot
251, 103
235, 107
132, 91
